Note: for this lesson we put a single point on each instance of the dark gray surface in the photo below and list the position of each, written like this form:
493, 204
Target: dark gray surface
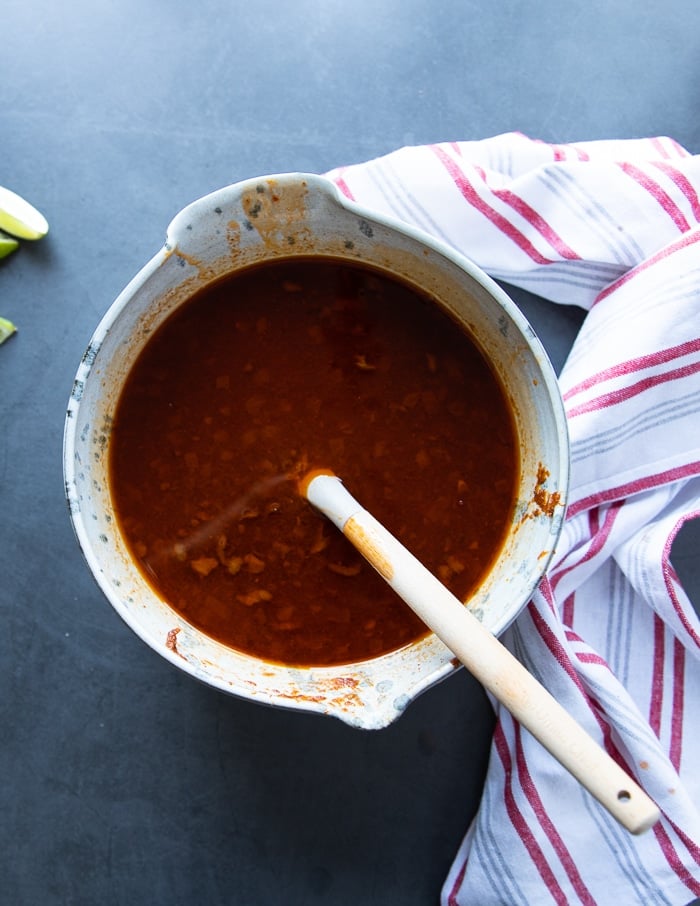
124, 782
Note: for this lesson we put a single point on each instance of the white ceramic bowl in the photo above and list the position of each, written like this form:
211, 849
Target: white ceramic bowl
283, 216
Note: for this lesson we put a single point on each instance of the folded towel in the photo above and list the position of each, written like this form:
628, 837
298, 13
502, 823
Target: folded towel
613, 227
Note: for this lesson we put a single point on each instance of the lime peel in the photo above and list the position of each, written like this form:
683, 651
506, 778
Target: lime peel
19, 218
7, 328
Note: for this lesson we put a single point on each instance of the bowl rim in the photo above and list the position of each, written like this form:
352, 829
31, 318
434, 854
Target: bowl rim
178, 231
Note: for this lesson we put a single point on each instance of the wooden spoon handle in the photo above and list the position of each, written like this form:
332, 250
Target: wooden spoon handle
484, 656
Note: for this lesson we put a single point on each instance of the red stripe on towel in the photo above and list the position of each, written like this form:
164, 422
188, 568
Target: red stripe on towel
529, 788
470, 195
647, 483
518, 821
660, 357
683, 184
657, 193
624, 393
682, 242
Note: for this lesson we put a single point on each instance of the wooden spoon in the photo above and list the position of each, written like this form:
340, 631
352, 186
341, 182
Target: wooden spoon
483, 655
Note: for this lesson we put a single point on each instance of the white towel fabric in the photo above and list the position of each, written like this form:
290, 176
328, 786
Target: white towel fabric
614, 227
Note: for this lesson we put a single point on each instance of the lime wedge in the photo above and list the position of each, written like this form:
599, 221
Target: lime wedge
19, 218
7, 245
7, 328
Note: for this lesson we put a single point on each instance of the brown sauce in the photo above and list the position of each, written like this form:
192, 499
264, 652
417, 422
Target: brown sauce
290, 366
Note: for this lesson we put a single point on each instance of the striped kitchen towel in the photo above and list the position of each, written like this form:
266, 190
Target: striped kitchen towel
613, 227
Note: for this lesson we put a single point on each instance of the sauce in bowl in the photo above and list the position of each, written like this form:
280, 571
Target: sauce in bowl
287, 366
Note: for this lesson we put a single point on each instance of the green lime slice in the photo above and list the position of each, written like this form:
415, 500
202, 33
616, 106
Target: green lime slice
7, 245
19, 218
7, 328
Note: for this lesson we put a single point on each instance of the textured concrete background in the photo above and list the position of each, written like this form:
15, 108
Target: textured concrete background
123, 781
